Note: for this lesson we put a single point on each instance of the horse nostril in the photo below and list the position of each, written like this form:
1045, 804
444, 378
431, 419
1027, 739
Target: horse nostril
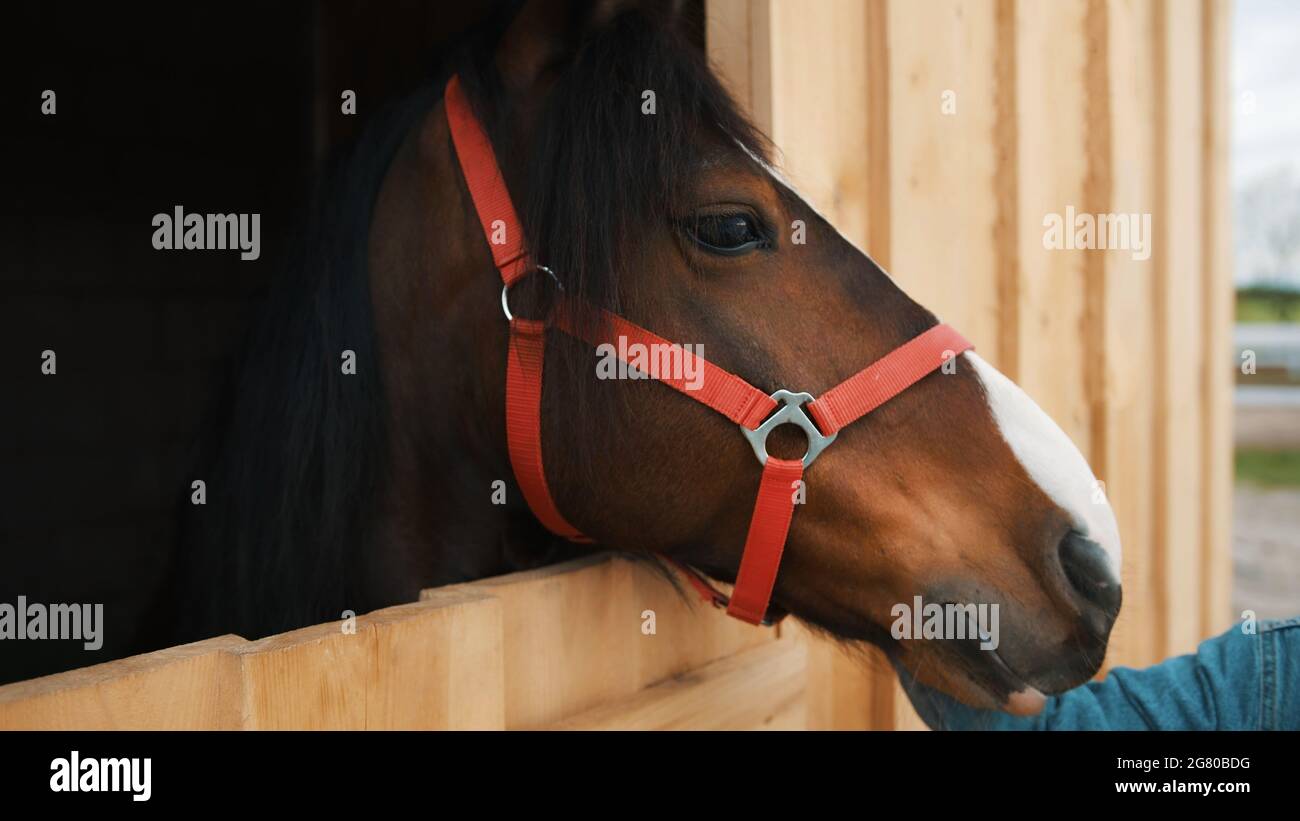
1088, 570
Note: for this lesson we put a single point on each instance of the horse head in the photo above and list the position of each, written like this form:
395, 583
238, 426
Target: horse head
644, 189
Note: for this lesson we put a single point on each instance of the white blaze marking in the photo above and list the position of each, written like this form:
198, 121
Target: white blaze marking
1050, 458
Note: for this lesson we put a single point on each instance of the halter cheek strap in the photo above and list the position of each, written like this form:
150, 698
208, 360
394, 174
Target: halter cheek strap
755, 412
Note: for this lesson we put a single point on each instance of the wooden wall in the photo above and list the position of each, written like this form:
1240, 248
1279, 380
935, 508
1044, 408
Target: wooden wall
1115, 106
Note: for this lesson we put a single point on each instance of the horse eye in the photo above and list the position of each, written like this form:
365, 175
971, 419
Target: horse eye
728, 234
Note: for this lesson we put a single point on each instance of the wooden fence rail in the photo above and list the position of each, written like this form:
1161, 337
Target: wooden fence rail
567, 646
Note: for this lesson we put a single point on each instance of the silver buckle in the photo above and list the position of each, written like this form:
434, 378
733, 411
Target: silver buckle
505, 291
791, 412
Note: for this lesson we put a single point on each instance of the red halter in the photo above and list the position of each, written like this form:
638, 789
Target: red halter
725, 392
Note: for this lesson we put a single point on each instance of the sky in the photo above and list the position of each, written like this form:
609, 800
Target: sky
1266, 89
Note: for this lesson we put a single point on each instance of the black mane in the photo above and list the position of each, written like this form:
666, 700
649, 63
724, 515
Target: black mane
282, 540
598, 170
279, 541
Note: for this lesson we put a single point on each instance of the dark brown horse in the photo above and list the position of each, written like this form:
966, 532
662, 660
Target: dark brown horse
339, 490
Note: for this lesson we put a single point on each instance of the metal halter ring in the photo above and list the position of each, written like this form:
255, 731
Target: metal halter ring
505, 290
791, 412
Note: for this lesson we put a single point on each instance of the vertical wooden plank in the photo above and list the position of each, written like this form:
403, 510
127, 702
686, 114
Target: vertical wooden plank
847, 689
944, 160
854, 687
879, 144
1183, 364
820, 106
688, 633
438, 665
1098, 193
193, 686
726, 33
1053, 89
738, 36
570, 638
1216, 331
1007, 227
308, 679
1130, 300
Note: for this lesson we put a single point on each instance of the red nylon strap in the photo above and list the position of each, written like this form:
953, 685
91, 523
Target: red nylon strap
527, 351
524, 422
487, 187
696, 579
720, 389
885, 378
766, 540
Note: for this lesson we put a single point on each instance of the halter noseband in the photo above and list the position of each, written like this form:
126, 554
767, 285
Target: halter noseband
754, 411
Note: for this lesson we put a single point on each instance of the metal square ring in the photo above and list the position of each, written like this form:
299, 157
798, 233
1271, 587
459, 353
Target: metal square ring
790, 413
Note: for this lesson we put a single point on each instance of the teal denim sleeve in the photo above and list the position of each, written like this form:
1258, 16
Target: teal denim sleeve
1234, 681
